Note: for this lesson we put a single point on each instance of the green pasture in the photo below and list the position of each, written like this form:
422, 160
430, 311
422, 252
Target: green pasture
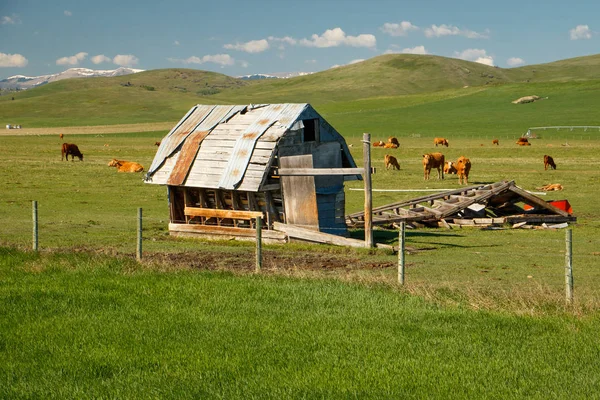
88, 206
84, 326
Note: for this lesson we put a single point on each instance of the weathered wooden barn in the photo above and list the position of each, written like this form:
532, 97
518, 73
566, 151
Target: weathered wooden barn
220, 166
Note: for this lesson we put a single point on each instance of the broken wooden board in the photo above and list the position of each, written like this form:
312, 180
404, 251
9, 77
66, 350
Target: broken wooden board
297, 232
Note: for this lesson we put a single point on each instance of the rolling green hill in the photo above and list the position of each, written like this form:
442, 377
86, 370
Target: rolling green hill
388, 82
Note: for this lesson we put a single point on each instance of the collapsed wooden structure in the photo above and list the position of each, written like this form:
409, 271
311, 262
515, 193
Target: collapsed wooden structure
220, 164
486, 205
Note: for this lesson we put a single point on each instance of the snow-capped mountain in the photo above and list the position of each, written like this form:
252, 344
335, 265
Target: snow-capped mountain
21, 82
281, 75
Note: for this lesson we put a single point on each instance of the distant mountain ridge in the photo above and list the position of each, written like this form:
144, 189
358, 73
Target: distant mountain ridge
21, 82
280, 75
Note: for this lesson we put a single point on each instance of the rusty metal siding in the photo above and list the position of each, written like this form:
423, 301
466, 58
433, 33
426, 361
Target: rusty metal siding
281, 114
200, 123
178, 134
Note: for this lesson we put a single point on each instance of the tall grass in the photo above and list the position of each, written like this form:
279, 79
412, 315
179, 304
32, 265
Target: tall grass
80, 326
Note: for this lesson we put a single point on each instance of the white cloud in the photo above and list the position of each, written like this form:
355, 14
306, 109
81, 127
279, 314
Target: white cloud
100, 58
253, 46
244, 64
12, 60
68, 13
356, 61
478, 55
283, 40
72, 60
580, 32
415, 50
400, 29
221, 59
176, 43
125, 60
310, 61
12, 20
336, 37
450, 30
514, 61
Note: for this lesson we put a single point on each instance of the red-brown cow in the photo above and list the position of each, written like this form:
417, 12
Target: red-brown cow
433, 160
72, 150
549, 162
391, 161
126, 166
463, 166
439, 140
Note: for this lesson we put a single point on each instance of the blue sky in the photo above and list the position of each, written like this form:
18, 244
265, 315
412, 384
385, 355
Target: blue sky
266, 36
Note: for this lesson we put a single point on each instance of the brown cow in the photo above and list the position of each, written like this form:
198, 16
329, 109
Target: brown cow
390, 146
449, 168
439, 140
433, 160
126, 166
496, 142
394, 141
72, 150
551, 187
378, 143
522, 141
549, 162
61, 136
157, 143
463, 166
391, 161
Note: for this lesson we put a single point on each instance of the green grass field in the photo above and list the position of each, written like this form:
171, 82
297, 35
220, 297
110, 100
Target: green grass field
482, 314
80, 326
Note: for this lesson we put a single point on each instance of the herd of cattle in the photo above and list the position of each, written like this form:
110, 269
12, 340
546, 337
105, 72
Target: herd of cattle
460, 167
70, 149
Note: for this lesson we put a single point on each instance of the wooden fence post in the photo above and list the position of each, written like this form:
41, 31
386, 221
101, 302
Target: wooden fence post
258, 244
35, 224
368, 192
569, 266
139, 235
401, 259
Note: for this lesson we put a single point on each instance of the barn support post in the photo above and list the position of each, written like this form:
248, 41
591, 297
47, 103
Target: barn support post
138, 252
569, 266
368, 190
401, 258
35, 224
258, 244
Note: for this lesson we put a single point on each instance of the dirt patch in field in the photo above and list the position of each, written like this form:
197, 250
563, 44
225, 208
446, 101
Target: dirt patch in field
89, 130
272, 261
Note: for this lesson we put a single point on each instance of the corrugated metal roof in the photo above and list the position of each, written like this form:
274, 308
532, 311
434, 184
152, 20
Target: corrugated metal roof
188, 151
178, 134
230, 138
281, 114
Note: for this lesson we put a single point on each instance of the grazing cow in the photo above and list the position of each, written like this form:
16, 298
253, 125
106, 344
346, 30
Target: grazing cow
463, 166
394, 141
449, 168
549, 162
157, 143
439, 140
61, 136
126, 166
433, 160
522, 141
391, 161
72, 150
379, 143
551, 187
496, 142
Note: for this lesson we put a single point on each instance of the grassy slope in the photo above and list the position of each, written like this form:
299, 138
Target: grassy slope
93, 327
105, 101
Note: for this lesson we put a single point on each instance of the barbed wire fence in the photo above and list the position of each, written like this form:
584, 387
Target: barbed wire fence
549, 260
